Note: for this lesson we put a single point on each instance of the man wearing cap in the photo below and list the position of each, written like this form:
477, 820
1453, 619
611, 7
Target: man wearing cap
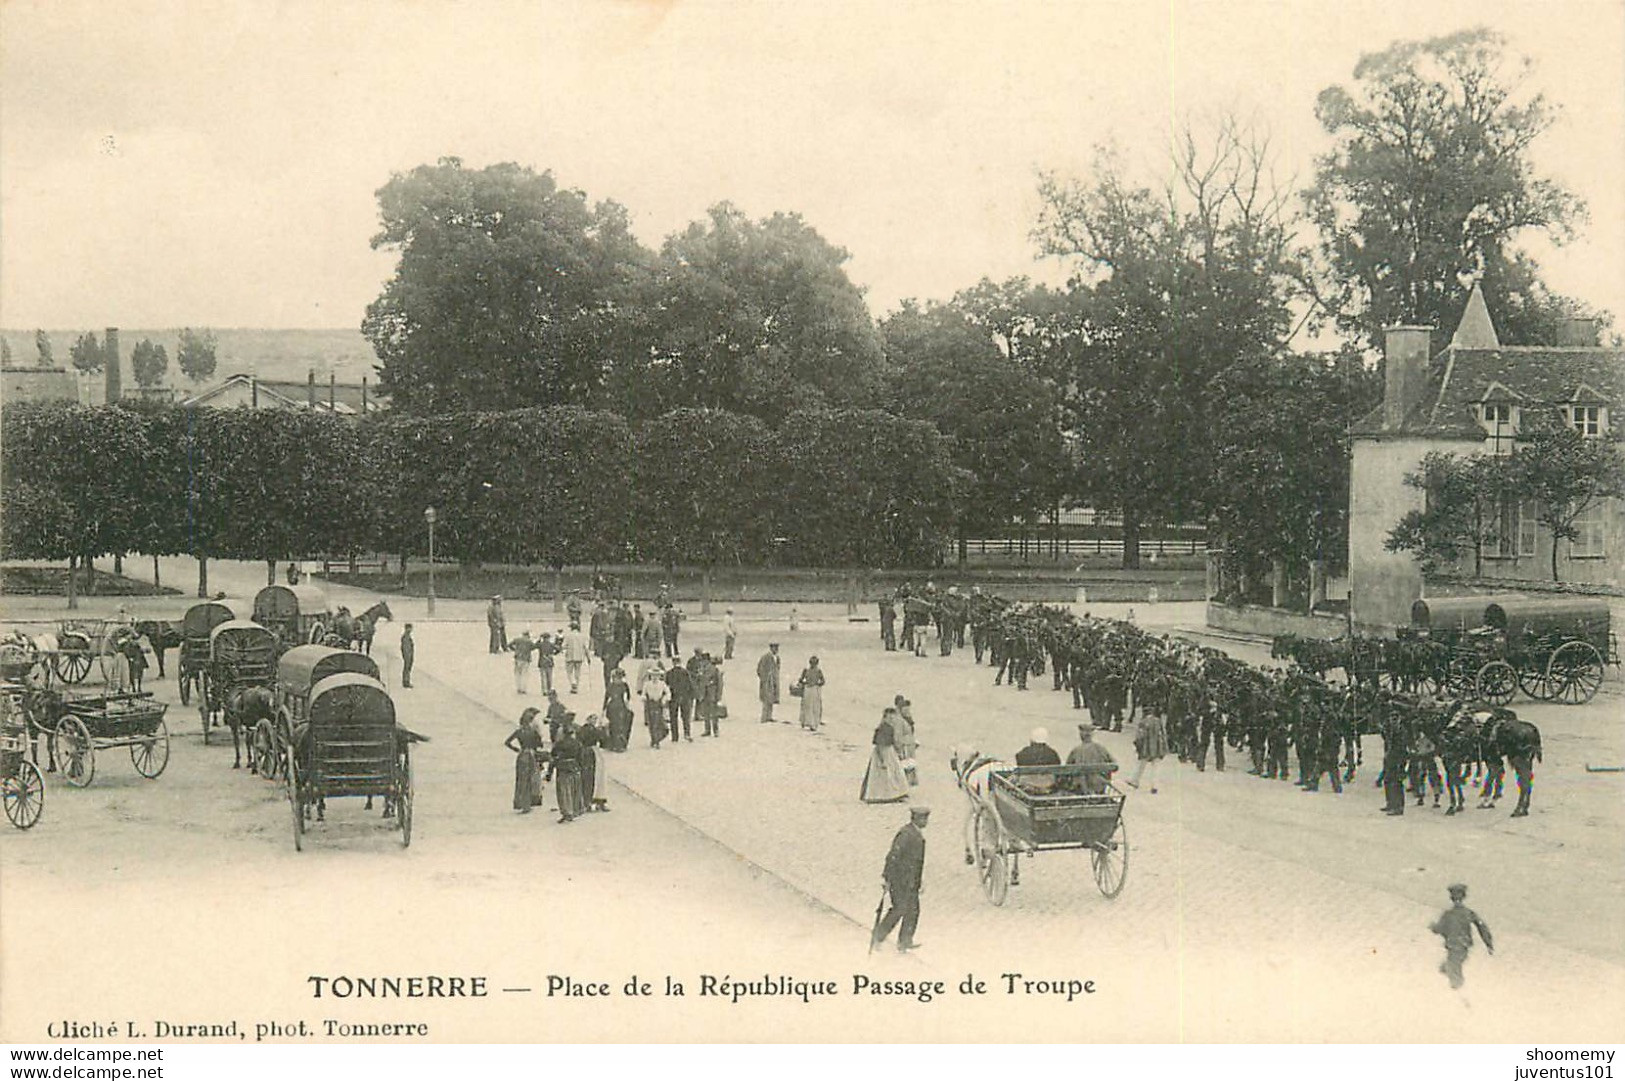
904, 878
1455, 925
1038, 752
523, 647
1096, 761
767, 681
497, 625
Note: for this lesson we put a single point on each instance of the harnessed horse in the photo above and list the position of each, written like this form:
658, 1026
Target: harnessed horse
245, 708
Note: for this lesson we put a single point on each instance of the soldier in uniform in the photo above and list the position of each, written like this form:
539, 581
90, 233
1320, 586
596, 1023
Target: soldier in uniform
1455, 925
904, 879
888, 624
1395, 757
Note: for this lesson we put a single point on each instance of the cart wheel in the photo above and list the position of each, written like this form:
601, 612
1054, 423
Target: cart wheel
151, 755
1496, 683
403, 805
262, 751
1533, 682
1110, 862
24, 795
992, 865
72, 667
186, 688
75, 755
296, 802
1574, 673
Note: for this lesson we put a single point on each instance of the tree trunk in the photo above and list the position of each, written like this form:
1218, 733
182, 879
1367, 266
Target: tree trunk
202, 578
705, 590
1554, 556
270, 572
73, 585
156, 582
558, 589
1317, 584
118, 562
964, 544
1277, 582
89, 563
1131, 542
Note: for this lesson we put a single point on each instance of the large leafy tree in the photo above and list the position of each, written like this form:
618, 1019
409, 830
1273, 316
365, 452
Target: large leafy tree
701, 489
1431, 184
87, 352
508, 292
948, 364
42, 345
195, 355
1173, 285
149, 362
756, 317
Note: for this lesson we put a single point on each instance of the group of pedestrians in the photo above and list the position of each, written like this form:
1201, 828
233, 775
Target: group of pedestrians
572, 759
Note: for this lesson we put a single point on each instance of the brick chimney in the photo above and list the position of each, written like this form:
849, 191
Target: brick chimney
1405, 351
110, 357
1578, 332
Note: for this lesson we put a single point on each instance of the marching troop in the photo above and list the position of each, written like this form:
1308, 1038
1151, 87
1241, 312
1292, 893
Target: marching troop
1196, 702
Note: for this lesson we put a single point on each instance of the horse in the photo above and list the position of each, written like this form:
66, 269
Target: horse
361, 631
245, 708
1502, 737
971, 769
164, 636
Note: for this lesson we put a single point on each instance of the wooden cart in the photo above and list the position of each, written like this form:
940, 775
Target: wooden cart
1030, 809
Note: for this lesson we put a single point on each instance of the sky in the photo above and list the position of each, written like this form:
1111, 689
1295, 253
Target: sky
215, 163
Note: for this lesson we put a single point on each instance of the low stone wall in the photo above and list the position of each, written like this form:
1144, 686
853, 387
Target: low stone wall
1269, 622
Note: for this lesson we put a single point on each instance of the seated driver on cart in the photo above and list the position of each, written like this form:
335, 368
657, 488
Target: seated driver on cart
1095, 764
1038, 752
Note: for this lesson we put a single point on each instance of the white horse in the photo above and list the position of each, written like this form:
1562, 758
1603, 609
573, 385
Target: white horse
971, 769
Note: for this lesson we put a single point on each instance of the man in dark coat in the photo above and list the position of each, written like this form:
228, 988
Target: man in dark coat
497, 624
409, 652
904, 878
670, 625
1455, 925
888, 624
681, 704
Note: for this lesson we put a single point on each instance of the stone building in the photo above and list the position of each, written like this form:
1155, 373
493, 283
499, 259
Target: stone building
1471, 397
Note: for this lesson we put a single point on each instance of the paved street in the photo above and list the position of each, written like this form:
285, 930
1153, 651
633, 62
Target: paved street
1252, 911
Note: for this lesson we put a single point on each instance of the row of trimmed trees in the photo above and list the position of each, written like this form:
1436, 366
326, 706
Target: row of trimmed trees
547, 487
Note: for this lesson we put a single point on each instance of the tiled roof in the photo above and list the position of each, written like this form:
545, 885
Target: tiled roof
1459, 379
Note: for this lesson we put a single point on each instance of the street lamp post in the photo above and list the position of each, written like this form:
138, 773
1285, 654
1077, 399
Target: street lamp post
429, 517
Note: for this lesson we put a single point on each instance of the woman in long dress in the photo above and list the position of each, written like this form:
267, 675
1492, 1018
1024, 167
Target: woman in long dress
883, 781
566, 773
525, 741
618, 710
812, 695
595, 772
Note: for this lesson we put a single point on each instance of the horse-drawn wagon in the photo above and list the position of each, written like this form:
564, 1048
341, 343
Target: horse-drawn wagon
242, 655
295, 614
297, 673
348, 744
21, 786
1023, 810
1552, 648
199, 622
78, 723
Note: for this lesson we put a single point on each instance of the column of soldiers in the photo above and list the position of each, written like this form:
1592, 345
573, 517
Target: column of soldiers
1288, 723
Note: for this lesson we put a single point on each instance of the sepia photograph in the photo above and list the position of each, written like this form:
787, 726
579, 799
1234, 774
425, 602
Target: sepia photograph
709, 522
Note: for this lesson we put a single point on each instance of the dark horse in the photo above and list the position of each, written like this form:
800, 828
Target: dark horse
245, 708
1489, 737
361, 631
164, 636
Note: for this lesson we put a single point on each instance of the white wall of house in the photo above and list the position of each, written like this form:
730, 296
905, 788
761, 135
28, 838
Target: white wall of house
1384, 584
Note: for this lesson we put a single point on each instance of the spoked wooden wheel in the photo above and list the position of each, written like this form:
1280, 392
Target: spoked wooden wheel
1497, 683
992, 863
297, 804
1575, 673
1110, 862
151, 755
262, 751
75, 756
1532, 681
24, 795
75, 666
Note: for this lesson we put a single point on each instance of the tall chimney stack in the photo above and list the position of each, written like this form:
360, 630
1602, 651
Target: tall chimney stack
110, 357
1406, 350
310, 391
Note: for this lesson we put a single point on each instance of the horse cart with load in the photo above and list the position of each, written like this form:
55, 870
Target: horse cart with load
349, 745
297, 672
1554, 649
196, 626
242, 656
79, 723
297, 615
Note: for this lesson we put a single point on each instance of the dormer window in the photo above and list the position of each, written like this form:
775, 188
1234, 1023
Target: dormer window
1500, 422
1588, 420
